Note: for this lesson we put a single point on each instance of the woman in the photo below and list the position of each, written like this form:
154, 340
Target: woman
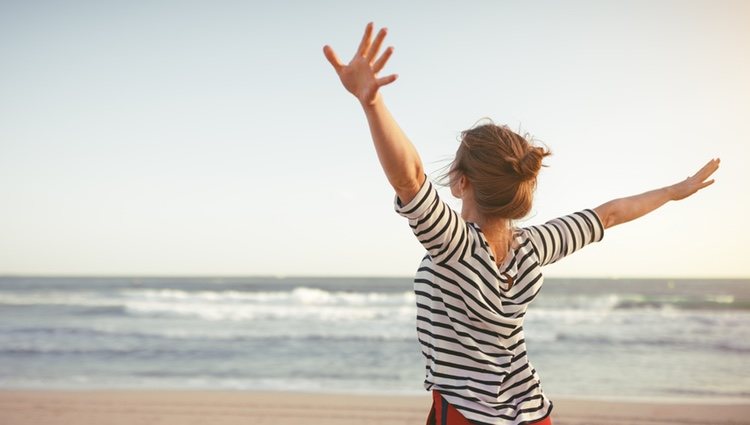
480, 272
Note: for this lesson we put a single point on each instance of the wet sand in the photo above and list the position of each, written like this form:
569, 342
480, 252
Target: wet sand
121, 407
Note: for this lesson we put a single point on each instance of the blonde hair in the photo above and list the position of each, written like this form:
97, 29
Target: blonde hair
502, 167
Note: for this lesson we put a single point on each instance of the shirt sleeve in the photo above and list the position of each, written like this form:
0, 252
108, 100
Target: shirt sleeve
440, 230
565, 235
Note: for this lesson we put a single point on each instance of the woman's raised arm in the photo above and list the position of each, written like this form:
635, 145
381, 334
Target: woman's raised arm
622, 210
397, 155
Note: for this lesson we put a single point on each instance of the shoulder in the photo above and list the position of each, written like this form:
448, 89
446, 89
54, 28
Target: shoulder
585, 218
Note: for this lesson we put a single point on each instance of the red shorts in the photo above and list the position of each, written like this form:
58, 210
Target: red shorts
443, 413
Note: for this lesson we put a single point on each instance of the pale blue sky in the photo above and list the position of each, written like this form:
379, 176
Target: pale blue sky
213, 138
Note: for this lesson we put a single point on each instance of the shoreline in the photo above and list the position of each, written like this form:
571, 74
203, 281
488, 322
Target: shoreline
230, 407
356, 392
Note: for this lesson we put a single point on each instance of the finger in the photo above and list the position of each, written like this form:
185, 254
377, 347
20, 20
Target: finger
376, 44
365, 43
332, 58
708, 169
704, 171
380, 63
386, 80
706, 183
712, 164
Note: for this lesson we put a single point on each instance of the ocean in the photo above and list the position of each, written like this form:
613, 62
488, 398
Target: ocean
611, 338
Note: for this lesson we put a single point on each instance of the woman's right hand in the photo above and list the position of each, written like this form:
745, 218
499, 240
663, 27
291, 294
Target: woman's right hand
695, 182
359, 77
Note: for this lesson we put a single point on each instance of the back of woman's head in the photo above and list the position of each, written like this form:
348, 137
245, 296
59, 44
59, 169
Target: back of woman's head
502, 168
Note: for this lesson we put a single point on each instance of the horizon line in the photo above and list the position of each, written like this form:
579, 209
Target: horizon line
296, 276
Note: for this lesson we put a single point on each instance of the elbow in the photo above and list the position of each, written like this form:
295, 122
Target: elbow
610, 221
607, 215
414, 177
408, 188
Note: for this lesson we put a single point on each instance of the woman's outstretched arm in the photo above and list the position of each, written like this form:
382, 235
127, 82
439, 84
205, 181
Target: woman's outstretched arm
397, 155
622, 210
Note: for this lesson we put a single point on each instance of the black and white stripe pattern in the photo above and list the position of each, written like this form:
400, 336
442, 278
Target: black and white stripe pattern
469, 325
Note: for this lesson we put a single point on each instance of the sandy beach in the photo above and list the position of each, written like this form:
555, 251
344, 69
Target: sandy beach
239, 407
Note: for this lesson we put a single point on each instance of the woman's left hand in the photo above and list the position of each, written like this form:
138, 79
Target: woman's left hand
359, 77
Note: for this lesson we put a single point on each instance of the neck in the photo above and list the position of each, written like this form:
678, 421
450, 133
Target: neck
497, 231
491, 226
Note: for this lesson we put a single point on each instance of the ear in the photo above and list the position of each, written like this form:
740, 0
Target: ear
460, 187
463, 184
455, 187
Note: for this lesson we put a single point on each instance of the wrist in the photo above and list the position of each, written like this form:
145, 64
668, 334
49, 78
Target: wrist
371, 104
374, 109
671, 192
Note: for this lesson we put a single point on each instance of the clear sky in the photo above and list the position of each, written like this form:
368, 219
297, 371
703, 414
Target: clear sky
213, 138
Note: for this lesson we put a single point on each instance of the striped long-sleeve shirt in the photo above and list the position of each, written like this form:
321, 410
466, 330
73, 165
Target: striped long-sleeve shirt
469, 324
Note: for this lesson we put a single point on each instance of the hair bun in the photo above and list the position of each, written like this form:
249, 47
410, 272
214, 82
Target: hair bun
527, 166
